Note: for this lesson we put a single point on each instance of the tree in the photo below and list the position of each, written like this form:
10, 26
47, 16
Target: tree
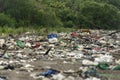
100, 15
66, 13
115, 3
21, 10
5, 20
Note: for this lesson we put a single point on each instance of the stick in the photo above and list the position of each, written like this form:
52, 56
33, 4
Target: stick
46, 53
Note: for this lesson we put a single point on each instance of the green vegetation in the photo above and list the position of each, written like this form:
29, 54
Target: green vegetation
6, 20
41, 30
59, 14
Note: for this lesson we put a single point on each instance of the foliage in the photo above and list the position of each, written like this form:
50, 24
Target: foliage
95, 14
100, 15
5, 20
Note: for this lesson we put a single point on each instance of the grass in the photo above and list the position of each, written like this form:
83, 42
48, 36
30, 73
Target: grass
11, 30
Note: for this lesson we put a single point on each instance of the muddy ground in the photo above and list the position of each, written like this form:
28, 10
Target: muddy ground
18, 74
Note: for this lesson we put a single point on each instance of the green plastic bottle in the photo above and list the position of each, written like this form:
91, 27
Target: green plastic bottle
20, 44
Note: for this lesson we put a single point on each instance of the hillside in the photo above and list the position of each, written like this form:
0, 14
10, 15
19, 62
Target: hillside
93, 14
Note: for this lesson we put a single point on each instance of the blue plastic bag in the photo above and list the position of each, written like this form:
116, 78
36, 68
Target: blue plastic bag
48, 72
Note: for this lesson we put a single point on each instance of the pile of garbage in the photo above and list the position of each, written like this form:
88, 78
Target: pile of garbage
93, 49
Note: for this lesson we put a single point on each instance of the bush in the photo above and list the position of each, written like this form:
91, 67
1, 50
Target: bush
69, 24
5, 20
100, 15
